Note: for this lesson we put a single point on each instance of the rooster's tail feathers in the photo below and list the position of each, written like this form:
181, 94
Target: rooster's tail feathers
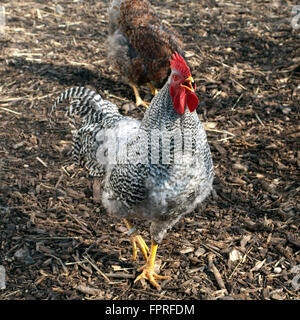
87, 104
84, 98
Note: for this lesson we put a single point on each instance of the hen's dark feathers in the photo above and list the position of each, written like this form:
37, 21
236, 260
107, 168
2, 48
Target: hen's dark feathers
140, 44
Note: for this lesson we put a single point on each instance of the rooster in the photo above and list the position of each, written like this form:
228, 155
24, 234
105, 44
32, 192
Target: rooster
140, 45
157, 169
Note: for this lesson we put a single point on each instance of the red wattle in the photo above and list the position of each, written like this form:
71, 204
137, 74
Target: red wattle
182, 97
192, 101
179, 98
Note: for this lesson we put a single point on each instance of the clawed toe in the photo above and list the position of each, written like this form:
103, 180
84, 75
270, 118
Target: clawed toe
140, 102
148, 272
151, 276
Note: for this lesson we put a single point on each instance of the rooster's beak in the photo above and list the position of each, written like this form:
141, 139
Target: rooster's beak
188, 84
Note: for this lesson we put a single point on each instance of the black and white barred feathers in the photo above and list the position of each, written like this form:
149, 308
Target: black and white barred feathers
129, 156
94, 114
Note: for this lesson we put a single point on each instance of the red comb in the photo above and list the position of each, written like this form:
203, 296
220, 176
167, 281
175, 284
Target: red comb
178, 63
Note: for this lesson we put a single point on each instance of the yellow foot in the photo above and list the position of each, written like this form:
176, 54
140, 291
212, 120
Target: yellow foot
150, 275
138, 100
138, 240
141, 102
148, 269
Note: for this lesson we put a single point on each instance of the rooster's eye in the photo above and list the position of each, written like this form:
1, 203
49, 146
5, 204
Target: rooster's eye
175, 77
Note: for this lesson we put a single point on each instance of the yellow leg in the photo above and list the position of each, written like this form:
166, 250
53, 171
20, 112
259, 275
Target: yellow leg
148, 269
153, 89
137, 240
138, 100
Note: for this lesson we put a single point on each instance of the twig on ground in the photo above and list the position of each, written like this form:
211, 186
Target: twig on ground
216, 272
88, 258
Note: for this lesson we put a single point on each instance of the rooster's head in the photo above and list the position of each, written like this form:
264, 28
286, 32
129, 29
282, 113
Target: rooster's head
182, 87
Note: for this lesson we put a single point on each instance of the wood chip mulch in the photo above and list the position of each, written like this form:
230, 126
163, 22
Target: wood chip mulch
243, 243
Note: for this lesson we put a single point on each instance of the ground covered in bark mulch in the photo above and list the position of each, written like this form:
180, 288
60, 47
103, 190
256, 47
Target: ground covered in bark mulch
56, 243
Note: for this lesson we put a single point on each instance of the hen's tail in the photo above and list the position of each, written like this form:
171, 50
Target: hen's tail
86, 104
95, 115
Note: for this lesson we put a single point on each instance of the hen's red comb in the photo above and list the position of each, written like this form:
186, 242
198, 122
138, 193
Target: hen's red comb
178, 63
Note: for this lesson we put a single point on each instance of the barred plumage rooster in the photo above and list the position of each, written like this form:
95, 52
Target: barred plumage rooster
140, 45
156, 169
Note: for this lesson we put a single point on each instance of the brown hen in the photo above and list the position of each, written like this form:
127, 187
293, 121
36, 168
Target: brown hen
140, 44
